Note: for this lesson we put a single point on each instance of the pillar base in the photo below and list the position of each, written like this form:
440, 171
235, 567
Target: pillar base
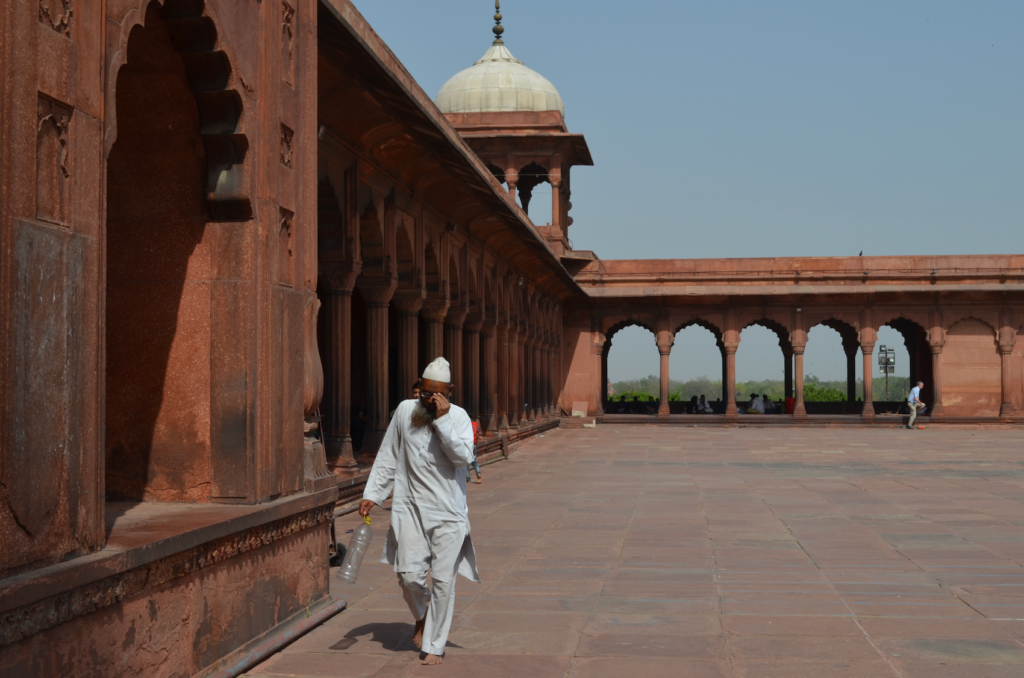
799, 410
1005, 410
503, 423
868, 412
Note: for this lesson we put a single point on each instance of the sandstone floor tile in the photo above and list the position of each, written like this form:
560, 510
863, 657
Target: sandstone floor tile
493, 666
846, 648
779, 625
811, 669
651, 645
649, 667
684, 625
317, 665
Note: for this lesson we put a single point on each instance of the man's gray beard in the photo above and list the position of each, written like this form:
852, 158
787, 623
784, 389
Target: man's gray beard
421, 416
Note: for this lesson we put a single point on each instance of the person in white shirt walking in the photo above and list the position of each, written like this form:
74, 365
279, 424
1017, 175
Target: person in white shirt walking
423, 458
915, 403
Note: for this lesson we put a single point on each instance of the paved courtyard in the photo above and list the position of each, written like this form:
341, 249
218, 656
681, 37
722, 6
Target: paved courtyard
670, 551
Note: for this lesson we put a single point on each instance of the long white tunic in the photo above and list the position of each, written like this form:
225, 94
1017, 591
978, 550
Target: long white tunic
429, 518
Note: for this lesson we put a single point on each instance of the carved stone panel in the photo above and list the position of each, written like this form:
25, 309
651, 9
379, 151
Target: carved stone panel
287, 43
53, 165
57, 15
286, 248
286, 146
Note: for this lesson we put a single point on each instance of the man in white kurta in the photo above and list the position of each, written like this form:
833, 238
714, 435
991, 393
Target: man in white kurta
424, 463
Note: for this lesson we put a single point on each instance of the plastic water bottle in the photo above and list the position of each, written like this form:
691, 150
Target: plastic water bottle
361, 536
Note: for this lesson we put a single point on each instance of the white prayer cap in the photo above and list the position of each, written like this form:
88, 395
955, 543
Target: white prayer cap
438, 371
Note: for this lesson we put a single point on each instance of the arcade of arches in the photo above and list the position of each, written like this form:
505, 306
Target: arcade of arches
234, 232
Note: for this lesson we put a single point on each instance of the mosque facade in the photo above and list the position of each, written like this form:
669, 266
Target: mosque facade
232, 234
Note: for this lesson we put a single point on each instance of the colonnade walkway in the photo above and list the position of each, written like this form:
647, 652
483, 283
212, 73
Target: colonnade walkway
668, 551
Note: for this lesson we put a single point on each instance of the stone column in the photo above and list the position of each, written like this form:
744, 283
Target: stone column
729, 387
597, 342
488, 390
377, 298
545, 379
553, 406
787, 371
453, 344
434, 313
867, 352
936, 404
1006, 343
408, 308
338, 438
664, 349
472, 375
521, 391
513, 375
538, 383
501, 379
799, 409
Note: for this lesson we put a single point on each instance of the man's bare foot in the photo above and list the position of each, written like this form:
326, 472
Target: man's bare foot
431, 659
417, 634
479, 479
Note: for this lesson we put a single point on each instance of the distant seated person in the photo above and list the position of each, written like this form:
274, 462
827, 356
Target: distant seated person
703, 406
756, 405
769, 405
693, 405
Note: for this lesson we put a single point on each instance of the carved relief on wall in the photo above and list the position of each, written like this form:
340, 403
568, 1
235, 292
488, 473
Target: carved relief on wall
285, 248
53, 166
286, 146
57, 15
287, 43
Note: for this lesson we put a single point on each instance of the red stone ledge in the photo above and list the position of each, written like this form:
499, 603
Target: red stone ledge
157, 543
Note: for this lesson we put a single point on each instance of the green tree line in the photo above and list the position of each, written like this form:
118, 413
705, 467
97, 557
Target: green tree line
815, 389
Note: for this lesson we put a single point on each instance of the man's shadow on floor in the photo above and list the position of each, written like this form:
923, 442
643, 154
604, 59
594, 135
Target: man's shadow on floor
392, 636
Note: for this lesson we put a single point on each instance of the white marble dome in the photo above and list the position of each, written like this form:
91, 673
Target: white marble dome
498, 82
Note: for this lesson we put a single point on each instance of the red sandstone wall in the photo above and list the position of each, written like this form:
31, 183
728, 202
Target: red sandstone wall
158, 281
185, 625
971, 371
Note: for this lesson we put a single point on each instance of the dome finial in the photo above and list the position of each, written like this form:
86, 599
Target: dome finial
498, 29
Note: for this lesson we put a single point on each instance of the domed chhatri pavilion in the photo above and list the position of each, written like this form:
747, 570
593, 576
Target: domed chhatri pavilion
232, 234
513, 117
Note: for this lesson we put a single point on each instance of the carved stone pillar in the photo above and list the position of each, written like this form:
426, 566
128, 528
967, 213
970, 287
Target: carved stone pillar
521, 368
377, 298
867, 352
1006, 343
513, 376
316, 477
501, 378
936, 404
408, 310
799, 409
665, 341
512, 178
537, 413
729, 387
868, 336
597, 349
787, 370
338, 438
434, 312
453, 344
488, 391
472, 375
549, 363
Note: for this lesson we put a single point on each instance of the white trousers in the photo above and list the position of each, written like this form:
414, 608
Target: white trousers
438, 604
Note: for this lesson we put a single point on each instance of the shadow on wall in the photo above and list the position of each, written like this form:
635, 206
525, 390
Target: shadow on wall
158, 293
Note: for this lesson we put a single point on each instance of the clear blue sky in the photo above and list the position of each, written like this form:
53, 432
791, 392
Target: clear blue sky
743, 128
